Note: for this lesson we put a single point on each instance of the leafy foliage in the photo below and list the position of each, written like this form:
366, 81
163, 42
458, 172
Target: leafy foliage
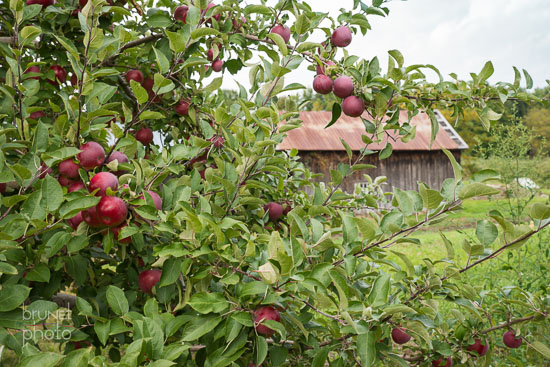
195, 198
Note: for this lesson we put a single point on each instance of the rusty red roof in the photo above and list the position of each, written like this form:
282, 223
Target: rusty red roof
312, 135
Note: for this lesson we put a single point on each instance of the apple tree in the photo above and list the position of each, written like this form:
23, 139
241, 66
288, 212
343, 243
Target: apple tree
161, 214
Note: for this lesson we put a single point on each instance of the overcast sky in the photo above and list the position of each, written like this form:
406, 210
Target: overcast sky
454, 35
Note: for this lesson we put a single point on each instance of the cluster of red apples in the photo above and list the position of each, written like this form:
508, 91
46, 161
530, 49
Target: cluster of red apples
111, 212
481, 348
180, 14
181, 108
342, 86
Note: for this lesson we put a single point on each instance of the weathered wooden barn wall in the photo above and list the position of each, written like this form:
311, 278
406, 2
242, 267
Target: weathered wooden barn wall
403, 168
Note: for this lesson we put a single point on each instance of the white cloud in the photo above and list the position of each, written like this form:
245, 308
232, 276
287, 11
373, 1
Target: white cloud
455, 36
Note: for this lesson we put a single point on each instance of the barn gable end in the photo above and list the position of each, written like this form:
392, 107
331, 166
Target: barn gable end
321, 150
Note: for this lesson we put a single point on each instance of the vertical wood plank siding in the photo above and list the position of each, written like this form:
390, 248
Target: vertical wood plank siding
403, 168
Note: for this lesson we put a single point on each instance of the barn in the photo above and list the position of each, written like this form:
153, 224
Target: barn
321, 150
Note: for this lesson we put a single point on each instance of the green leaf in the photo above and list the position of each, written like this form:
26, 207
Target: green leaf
6, 268
139, 92
159, 20
203, 32
52, 194
214, 85
430, 198
117, 300
434, 125
393, 309
102, 331
162, 61
33, 206
44, 359
40, 273
486, 72
408, 263
528, 79
320, 358
307, 46
253, 288
457, 169
77, 358
177, 41
486, 232
302, 24
171, 270
366, 348
336, 112
540, 211
208, 302
380, 291
280, 42
396, 54
541, 348
261, 349
476, 189
29, 33
12, 296
200, 326
260, 9
73, 207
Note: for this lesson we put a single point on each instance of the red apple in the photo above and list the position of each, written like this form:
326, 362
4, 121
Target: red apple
322, 84
275, 210
76, 220
181, 13
341, 37
321, 69
353, 106
45, 170
60, 75
65, 181
156, 199
117, 156
74, 80
343, 86
217, 65
76, 186
44, 3
68, 168
134, 75
2, 187
400, 336
112, 211
265, 313
287, 208
282, 31
148, 84
210, 6
218, 141
182, 108
238, 25
102, 181
92, 155
147, 280
33, 69
37, 115
210, 54
479, 348
509, 339
116, 234
144, 136
91, 217
443, 363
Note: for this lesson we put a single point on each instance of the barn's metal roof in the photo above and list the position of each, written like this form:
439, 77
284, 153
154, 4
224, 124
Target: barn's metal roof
312, 135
